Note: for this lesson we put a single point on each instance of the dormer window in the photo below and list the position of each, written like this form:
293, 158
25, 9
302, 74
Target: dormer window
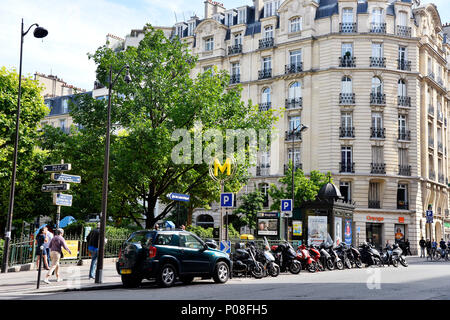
268, 32
218, 17
229, 17
191, 27
242, 16
271, 8
295, 24
179, 31
347, 15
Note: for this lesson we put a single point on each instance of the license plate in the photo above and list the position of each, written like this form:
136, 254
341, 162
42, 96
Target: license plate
125, 271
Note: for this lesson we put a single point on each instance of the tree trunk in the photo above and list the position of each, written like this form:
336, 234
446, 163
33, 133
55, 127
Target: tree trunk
189, 217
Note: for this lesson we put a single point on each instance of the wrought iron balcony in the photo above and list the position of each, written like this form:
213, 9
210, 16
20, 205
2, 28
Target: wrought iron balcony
265, 106
432, 175
294, 103
377, 99
430, 143
404, 135
296, 167
403, 64
378, 133
402, 205
376, 27
377, 62
374, 204
431, 110
404, 101
294, 68
378, 168
235, 49
348, 27
347, 132
404, 170
296, 135
404, 31
347, 98
263, 170
265, 74
266, 43
235, 78
441, 178
347, 62
347, 167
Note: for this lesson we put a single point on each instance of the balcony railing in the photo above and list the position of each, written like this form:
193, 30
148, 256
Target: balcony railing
347, 62
294, 103
431, 110
263, 170
432, 175
378, 133
266, 43
347, 132
430, 143
348, 27
377, 62
374, 204
294, 68
378, 168
296, 167
376, 27
404, 65
404, 31
235, 78
404, 170
401, 205
235, 49
296, 135
404, 101
265, 106
377, 99
265, 74
404, 135
347, 167
441, 179
347, 98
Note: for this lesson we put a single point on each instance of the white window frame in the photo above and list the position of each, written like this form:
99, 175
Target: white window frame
295, 24
209, 44
242, 16
347, 16
295, 90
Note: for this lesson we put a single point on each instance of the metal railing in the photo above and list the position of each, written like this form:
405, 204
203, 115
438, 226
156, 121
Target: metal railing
347, 132
266, 43
294, 103
377, 99
296, 135
293, 68
263, 170
404, 31
378, 133
377, 62
265, 74
347, 62
377, 27
235, 49
378, 168
265, 106
235, 78
404, 170
374, 204
404, 65
404, 135
347, 98
402, 206
404, 101
348, 27
346, 167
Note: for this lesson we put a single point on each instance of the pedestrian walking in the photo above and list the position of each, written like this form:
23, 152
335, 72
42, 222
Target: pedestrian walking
40, 238
428, 246
92, 240
48, 237
422, 244
434, 246
407, 248
443, 247
56, 246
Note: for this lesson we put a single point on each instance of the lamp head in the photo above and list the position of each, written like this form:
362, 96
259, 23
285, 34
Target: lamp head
303, 128
40, 32
128, 76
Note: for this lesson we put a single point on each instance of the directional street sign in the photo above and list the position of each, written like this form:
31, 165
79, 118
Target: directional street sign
225, 246
226, 200
65, 178
178, 197
429, 216
55, 187
57, 167
286, 205
60, 199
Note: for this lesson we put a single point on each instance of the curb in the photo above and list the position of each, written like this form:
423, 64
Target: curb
87, 288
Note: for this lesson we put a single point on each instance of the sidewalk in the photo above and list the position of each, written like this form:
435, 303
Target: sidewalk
75, 278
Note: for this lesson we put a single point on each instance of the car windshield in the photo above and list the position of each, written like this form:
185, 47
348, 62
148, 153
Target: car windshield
142, 237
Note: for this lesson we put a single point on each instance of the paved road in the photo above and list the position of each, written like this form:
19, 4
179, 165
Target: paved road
421, 280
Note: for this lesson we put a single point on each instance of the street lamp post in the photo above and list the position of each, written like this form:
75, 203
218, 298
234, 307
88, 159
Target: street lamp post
101, 239
302, 128
39, 32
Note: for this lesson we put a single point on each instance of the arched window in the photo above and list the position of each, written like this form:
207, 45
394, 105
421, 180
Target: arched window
265, 97
346, 85
402, 88
295, 91
205, 221
377, 86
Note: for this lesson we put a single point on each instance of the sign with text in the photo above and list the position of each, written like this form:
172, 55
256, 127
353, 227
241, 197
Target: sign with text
60, 177
429, 216
57, 167
73, 246
55, 187
60, 199
179, 197
317, 229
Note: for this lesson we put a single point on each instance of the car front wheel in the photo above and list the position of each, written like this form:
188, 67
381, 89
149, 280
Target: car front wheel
221, 272
167, 276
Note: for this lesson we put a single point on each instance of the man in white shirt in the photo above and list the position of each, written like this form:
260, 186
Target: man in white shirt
48, 238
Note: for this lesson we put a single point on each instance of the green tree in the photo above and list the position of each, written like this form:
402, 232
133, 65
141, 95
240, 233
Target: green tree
252, 203
162, 97
29, 200
304, 188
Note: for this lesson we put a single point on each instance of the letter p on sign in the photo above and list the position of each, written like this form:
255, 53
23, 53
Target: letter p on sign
286, 205
226, 200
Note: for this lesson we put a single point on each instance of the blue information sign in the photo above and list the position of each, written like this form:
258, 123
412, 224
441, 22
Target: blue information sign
286, 205
226, 200
429, 216
60, 199
225, 246
178, 197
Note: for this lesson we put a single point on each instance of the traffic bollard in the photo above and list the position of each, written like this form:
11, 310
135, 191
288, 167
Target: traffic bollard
40, 267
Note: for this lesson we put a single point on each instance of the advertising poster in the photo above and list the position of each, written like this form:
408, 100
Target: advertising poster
267, 227
73, 246
348, 232
399, 233
317, 230
337, 230
297, 226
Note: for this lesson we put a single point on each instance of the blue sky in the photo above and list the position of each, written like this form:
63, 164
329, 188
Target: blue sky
78, 27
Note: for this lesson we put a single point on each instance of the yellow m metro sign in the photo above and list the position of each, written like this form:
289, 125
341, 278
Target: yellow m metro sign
226, 166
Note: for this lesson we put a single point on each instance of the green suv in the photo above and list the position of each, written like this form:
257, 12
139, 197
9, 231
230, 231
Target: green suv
170, 255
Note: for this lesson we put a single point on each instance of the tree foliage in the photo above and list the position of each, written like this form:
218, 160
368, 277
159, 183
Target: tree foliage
252, 203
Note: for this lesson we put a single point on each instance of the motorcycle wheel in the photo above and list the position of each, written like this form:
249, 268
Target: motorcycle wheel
274, 271
377, 262
320, 266
395, 263
358, 263
340, 265
403, 261
311, 267
295, 267
258, 271
330, 264
348, 264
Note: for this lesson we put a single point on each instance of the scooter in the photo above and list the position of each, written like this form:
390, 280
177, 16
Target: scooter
355, 257
305, 259
315, 255
342, 250
245, 263
268, 260
325, 258
286, 258
388, 258
397, 252
369, 255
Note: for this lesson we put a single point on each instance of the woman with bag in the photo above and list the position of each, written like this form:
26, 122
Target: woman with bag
56, 245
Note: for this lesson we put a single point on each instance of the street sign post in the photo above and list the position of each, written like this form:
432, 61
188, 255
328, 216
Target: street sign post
60, 199
55, 187
179, 197
61, 177
286, 205
225, 246
226, 200
57, 167
429, 216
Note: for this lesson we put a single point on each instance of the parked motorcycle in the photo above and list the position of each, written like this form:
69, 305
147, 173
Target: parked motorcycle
314, 252
337, 261
369, 255
398, 253
325, 258
268, 260
305, 259
245, 263
286, 258
342, 251
388, 258
355, 257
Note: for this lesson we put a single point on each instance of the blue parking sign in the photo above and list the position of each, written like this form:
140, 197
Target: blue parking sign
429, 216
286, 205
226, 200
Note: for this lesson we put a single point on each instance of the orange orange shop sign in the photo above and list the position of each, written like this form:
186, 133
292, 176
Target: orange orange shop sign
378, 219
